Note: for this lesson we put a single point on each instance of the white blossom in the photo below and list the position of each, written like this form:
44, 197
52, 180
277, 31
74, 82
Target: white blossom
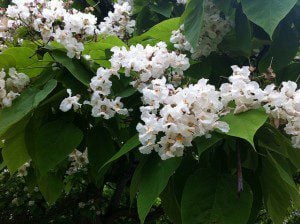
70, 102
101, 102
11, 85
148, 63
245, 93
54, 21
180, 114
118, 22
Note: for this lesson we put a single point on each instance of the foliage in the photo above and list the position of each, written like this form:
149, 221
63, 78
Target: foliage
229, 174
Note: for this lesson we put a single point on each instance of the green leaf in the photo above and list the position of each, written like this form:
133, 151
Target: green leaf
243, 33
51, 187
253, 180
26, 60
282, 50
211, 197
225, 6
275, 190
23, 105
74, 67
193, 19
156, 173
160, 32
276, 142
286, 176
170, 202
164, 8
245, 125
15, 152
103, 43
132, 143
267, 13
203, 143
290, 72
100, 149
136, 179
54, 142
7, 61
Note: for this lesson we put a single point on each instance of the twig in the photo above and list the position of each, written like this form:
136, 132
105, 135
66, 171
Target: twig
240, 186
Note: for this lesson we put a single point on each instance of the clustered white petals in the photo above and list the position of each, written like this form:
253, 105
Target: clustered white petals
78, 161
11, 85
118, 23
179, 40
102, 105
213, 30
282, 104
148, 63
245, 93
70, 102
54, 21
173, 117
180, 115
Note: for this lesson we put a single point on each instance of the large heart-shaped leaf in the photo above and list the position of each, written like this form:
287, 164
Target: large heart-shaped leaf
54, 142
267, 13
245, 125
210, 197
156, 173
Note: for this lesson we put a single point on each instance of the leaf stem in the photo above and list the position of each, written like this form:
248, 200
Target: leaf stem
240, 185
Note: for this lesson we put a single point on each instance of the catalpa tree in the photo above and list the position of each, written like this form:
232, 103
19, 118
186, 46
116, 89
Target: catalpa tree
193, 102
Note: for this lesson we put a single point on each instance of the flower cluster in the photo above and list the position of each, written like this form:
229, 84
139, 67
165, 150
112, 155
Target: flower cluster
149, 63
178, 116
143, 64
283, 105
78, 161
172, 117
118, 23
215, 27
53, 20
4, 32
11, 85
102, 106
245, 93
180, 41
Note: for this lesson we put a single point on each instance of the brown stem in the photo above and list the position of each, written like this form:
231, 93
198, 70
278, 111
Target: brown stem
240, 185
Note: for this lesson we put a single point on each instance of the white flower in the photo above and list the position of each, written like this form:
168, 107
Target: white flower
102, 105
245, 93
16, 81
149, 63
179, 115
69, 102
118, 23
11, 86
54, 21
